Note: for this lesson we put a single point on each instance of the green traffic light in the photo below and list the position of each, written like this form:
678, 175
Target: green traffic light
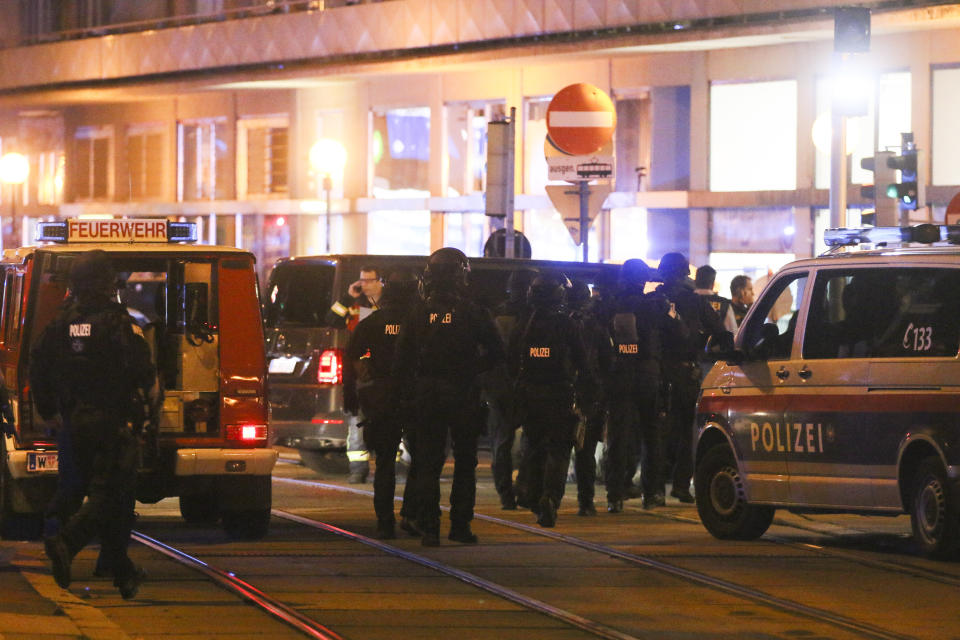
892, 191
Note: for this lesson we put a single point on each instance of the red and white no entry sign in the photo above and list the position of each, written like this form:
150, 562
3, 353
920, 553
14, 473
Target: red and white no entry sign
581, 119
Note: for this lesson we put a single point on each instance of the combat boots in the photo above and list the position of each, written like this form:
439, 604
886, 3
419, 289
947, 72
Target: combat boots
462, 533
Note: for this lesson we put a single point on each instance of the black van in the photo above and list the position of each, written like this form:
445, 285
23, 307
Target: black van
305, 354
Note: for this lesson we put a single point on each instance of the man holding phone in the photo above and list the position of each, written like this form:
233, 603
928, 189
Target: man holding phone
362, 299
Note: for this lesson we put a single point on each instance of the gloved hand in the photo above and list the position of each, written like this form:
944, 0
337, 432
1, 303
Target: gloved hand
351, 401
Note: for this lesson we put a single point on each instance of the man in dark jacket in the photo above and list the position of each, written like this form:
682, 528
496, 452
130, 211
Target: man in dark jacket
370, 390
446, 342
498, 389
593, 411
547, 358
86, 369
638, 322
681, 368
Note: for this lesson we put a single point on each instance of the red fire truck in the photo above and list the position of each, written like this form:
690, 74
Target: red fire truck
198, 309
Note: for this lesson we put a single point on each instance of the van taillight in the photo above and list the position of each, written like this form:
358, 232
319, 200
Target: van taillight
331, 367
247, 432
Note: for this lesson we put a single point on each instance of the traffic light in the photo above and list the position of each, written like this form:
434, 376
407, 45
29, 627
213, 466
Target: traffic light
905, 189
885, 207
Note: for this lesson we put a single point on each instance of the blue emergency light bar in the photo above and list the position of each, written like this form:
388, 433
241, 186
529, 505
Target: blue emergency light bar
921, 233
125, 230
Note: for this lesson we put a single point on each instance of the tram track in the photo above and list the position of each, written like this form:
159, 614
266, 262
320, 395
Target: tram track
923, 573
863, 629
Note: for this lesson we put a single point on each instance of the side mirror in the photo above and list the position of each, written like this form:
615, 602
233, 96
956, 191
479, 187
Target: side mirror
721, 347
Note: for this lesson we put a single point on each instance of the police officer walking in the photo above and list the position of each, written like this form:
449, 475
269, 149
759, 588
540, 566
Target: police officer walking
370, 389
498, 389
681, 368
87, 367
547, 357
599, 350
446, 342
637, 323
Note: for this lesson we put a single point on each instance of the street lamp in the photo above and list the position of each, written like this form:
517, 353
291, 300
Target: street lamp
14, 169
328, 157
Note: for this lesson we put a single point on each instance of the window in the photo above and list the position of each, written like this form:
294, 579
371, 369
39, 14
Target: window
12, 290
769, 333
466, 155
753, 136
945, 161
145, 164
203, 161
93, 177
888, 105
884, 313
401, 152
262, 151
465, 231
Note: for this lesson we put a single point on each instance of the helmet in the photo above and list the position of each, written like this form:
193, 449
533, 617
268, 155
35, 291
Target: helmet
547, 290
674, 265
635, 272
447, 269
578, 295
92, 273
400, 288
519, 282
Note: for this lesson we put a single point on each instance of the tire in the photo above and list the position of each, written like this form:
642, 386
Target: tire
934, 512
721, 499
325, 462
251, 524
200, 508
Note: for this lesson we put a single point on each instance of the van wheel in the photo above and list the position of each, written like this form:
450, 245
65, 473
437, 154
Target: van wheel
721, 499
934, 512
199, 508
250, 524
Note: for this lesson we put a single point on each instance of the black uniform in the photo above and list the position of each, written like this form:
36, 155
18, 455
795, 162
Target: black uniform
369, 386
498, 391
547, 355
88, 366
599, 350
637, 324
681, 368
446, 342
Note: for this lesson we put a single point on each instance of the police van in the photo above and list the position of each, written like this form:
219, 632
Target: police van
199, 310
305, 353
842, 391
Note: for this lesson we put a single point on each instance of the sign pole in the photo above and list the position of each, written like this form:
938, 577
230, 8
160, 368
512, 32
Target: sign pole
584, 190
509, 238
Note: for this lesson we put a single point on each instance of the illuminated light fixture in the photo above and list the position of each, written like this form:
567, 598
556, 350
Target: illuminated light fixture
281, 221
14, 168
328, 157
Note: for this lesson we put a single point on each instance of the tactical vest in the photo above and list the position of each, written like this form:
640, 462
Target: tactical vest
545, 350
447, 344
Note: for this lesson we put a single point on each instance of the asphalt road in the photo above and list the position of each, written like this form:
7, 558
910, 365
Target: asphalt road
637, 574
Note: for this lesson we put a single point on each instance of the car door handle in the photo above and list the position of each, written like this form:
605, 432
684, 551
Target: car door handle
782, 373
805, 373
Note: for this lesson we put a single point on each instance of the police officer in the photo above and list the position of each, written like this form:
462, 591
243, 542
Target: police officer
681, 368
704, 282
741, 293
369, 390
88, 365
446, 342
599, 349
498, 389
547, 357
637, 323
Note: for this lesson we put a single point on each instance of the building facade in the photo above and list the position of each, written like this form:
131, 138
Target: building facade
208, 110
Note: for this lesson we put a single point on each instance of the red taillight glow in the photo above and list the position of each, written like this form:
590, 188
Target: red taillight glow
331, 367
246, 432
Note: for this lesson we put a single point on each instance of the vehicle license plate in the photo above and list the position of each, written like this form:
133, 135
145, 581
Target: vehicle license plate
283, 365
37, 461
